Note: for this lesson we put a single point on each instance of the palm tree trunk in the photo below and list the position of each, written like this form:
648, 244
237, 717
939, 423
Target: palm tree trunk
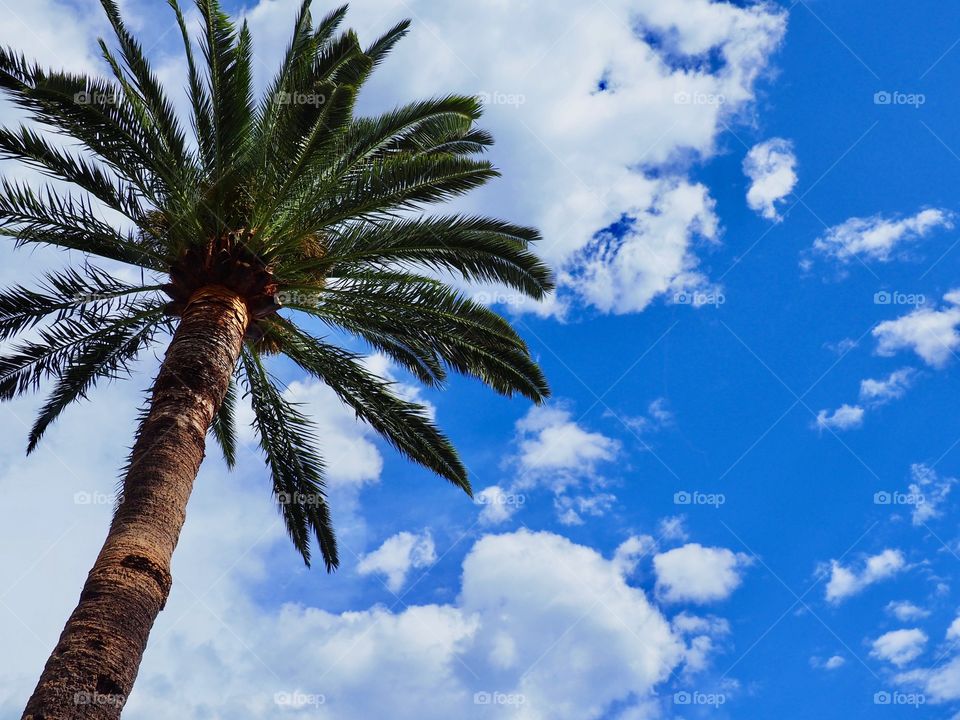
92, 669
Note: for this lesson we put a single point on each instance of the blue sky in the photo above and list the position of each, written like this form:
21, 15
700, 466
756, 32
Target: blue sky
745, 502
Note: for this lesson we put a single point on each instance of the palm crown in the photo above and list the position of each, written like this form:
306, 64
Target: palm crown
291, 202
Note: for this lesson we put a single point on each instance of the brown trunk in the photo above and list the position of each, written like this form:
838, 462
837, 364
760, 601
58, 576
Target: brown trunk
92, 669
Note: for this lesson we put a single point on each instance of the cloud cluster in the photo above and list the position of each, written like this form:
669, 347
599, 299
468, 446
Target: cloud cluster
554, 451
399, 555
771, 167
899, 647
845, 581
697, 574
932, 334
877, 238
873, 394
623, 219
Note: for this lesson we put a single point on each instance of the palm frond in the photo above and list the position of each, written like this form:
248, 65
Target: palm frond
435, 325
406, 425
31, 148
64, 294
62, 344
104, 356
70, 223
287, 439
224, 427
479, 249
149, 94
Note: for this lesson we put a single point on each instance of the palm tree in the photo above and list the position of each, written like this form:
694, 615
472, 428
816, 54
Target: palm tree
281, 209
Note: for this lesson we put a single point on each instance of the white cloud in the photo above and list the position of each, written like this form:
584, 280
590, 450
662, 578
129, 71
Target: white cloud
893, 387
694, 573
846, 417
953, 632
524, 625
906, 611
873, 394
673, 528
555, 451
658, 417
627, 152
876, 238
498, 504
631, 551
397, 556
899, 647
552, 443
931, 334
846, 582
771, 167
939, 684
932, 491
834, 662
571, 510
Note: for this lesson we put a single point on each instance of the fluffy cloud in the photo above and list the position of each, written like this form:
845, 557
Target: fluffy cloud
932, 491
931, 334
834, 662
876, 238
555, 451
845, 582
953, 632
619, 152
893, 387
846, 417
899, 647
657, 417
571, 510
694, 573
525, 626
940, 683
631, 551
873, 394
771, 167
551, 442
397, 556
498, 504
906, 611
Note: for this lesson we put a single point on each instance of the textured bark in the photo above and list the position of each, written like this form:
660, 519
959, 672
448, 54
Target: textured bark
92, 669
